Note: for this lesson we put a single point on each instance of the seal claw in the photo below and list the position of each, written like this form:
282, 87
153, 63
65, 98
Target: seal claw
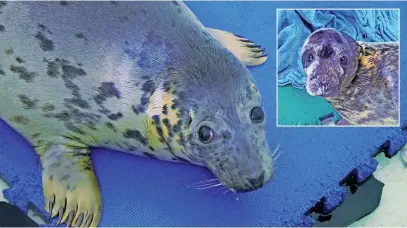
70, 185
70, 218
246, 41
241, 47
253, 46
50, 206
89, 220
60, 215
80, 220
265, 54
259, 50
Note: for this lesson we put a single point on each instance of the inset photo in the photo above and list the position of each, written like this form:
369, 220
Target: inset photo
338, 67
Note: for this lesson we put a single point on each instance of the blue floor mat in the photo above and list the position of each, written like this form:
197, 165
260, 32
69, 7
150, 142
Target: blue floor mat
146, 192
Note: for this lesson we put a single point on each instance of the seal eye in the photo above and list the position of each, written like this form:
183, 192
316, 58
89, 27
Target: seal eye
307, 58
343, 60
257, 115
205, 134
310, 57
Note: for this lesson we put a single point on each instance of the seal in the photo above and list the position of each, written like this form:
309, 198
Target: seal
145, 78
359, 79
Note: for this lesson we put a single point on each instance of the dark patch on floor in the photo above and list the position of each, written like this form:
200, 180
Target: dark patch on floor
12, 216
356, 205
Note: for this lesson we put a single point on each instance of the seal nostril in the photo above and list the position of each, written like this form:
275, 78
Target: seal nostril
257, 182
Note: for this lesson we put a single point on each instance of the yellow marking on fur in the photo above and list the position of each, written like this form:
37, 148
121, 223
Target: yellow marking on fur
157, 102
367, 58
366, 61
152, 136
390, 121
360, 115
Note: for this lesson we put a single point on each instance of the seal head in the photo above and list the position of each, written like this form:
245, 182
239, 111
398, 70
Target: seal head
330, 60
225, 122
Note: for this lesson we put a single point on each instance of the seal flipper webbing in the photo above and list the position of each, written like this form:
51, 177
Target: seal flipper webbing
71, 189
245, 50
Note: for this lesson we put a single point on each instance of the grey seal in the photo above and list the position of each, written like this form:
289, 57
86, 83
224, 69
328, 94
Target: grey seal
145, 78
359, 79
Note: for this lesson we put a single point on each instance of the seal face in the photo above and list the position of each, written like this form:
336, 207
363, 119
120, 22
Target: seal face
359, 79
227, 129
330, 60
140, 77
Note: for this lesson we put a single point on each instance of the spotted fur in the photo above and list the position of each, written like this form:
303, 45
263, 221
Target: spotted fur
142, 80
365, 90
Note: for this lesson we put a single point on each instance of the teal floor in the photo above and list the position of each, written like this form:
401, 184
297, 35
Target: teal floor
297, 107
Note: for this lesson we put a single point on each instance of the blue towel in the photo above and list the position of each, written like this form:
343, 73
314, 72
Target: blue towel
139, 191
294, 26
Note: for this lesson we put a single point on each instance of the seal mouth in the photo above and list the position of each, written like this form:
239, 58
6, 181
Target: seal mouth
320, 86
249, 189
249, 184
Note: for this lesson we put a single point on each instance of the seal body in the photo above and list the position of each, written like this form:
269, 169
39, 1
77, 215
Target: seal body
140, 77
360, 80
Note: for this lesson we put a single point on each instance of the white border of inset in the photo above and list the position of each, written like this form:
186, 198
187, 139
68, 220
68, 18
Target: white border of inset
329, 126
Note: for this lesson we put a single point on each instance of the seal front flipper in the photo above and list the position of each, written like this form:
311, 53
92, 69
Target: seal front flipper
245, 50
70, 186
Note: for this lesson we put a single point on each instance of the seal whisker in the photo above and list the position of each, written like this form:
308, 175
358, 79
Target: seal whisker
210, 186
204, 183
227, 190
278, 155
275, 150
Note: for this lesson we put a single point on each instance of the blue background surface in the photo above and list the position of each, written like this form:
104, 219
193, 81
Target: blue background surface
138, 191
